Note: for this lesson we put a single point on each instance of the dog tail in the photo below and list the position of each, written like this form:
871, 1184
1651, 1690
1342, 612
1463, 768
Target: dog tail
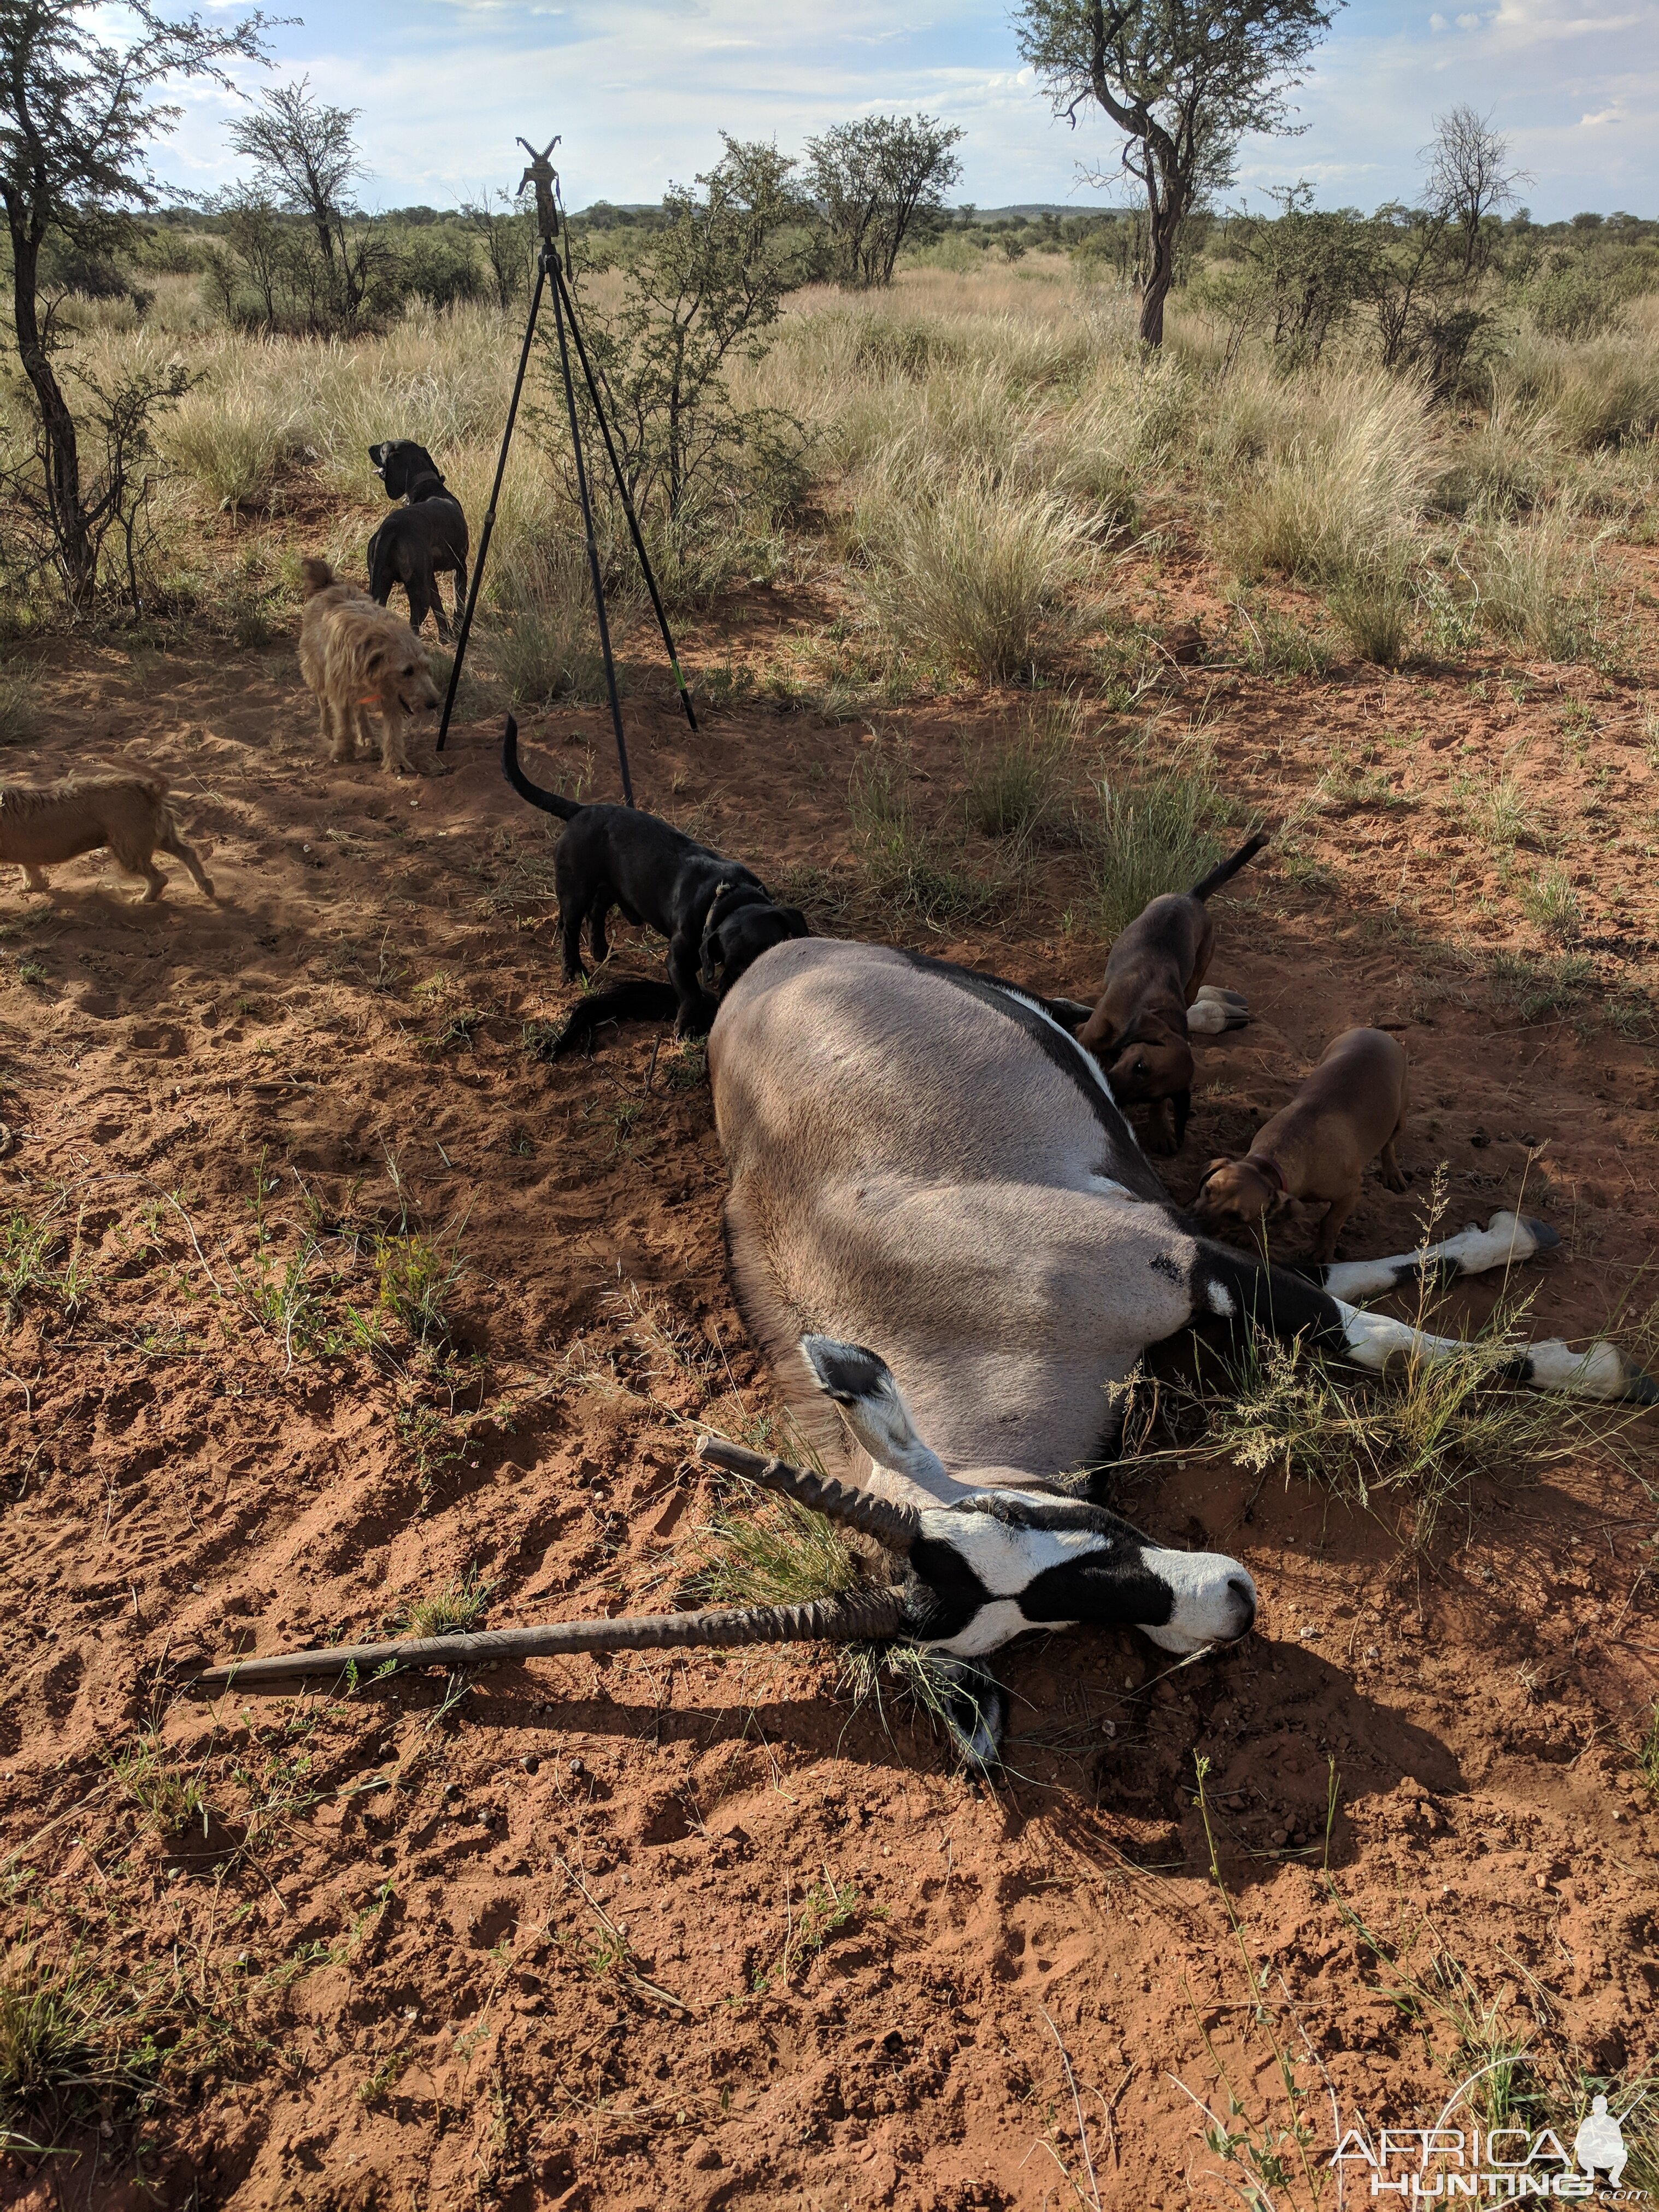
318, 576
380, 578
550, 802
626, 1002
1225, 874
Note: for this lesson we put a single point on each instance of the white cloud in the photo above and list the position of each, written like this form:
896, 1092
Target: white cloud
640, 89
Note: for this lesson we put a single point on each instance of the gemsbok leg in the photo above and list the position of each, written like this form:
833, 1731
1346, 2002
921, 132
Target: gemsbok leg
1230, 1287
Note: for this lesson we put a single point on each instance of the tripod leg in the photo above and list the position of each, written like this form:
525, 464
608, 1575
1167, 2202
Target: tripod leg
495, 493
592, 544
622, 487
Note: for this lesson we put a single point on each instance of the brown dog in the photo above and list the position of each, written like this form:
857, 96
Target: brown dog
1352, 1107
354, 655
125, 810
1140, 1028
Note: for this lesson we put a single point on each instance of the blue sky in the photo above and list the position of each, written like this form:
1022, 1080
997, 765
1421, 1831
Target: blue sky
640, 90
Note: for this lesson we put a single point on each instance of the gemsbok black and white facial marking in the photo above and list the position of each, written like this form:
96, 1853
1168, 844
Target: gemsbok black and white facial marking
925, 1162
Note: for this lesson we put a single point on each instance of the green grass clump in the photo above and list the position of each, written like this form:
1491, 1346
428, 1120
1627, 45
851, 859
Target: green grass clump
772, 1552
1157, 830
71, 2047
907, 863
1550, 902
459, 1606
1373, 601
1419, 1434
415, 1275
19, 706
1529, 987
1015, 789
169, 1799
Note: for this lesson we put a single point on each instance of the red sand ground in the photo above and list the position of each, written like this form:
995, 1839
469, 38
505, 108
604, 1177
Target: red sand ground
413, 1996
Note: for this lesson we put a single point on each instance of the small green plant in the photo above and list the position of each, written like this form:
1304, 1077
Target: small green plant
415, 1275
26, 1243
457, 1032
1276, 644
384, 2077
1156, 830
828, 1908
1267, 2155
169, 1799
1647, 1750
459, 1606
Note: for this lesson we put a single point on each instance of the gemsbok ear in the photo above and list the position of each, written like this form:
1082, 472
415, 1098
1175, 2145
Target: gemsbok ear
861, 1384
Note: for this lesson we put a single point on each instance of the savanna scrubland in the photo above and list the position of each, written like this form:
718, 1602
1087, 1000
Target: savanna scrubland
329, 1309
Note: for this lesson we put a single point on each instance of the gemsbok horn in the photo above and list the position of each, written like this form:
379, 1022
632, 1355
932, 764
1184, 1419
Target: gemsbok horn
855, 1617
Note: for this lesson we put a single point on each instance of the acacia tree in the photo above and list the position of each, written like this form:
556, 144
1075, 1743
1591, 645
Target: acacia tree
1183, 80
508, 237
704, 293
872, 179
76, 113
1469, 180
305, 160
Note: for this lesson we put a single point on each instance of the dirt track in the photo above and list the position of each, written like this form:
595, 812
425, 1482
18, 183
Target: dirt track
413, 1995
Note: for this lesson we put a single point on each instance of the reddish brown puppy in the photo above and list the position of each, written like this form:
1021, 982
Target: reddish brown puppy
1351, 1109
1138, 1028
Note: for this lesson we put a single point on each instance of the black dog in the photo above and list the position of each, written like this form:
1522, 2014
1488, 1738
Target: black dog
428, 534
717, 915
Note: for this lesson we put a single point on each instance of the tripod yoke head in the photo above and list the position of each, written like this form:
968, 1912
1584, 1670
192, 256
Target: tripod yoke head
545, 178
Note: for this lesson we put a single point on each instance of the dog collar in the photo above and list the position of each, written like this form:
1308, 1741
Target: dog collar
1269, 1166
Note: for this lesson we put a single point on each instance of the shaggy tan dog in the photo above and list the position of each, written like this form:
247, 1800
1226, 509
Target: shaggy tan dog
356, 655
124, 809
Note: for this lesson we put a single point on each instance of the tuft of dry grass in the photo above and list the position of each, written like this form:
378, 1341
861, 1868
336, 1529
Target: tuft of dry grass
1536, 583
1419, 1434
70, 2046
966, 571
1341, 481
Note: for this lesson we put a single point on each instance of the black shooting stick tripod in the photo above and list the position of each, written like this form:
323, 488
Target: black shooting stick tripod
542, 175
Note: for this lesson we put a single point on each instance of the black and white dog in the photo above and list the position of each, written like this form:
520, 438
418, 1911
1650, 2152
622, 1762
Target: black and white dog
426, 535
717, 914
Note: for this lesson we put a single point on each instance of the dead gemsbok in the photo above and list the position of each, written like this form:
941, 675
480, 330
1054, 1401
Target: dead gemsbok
924, 1161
